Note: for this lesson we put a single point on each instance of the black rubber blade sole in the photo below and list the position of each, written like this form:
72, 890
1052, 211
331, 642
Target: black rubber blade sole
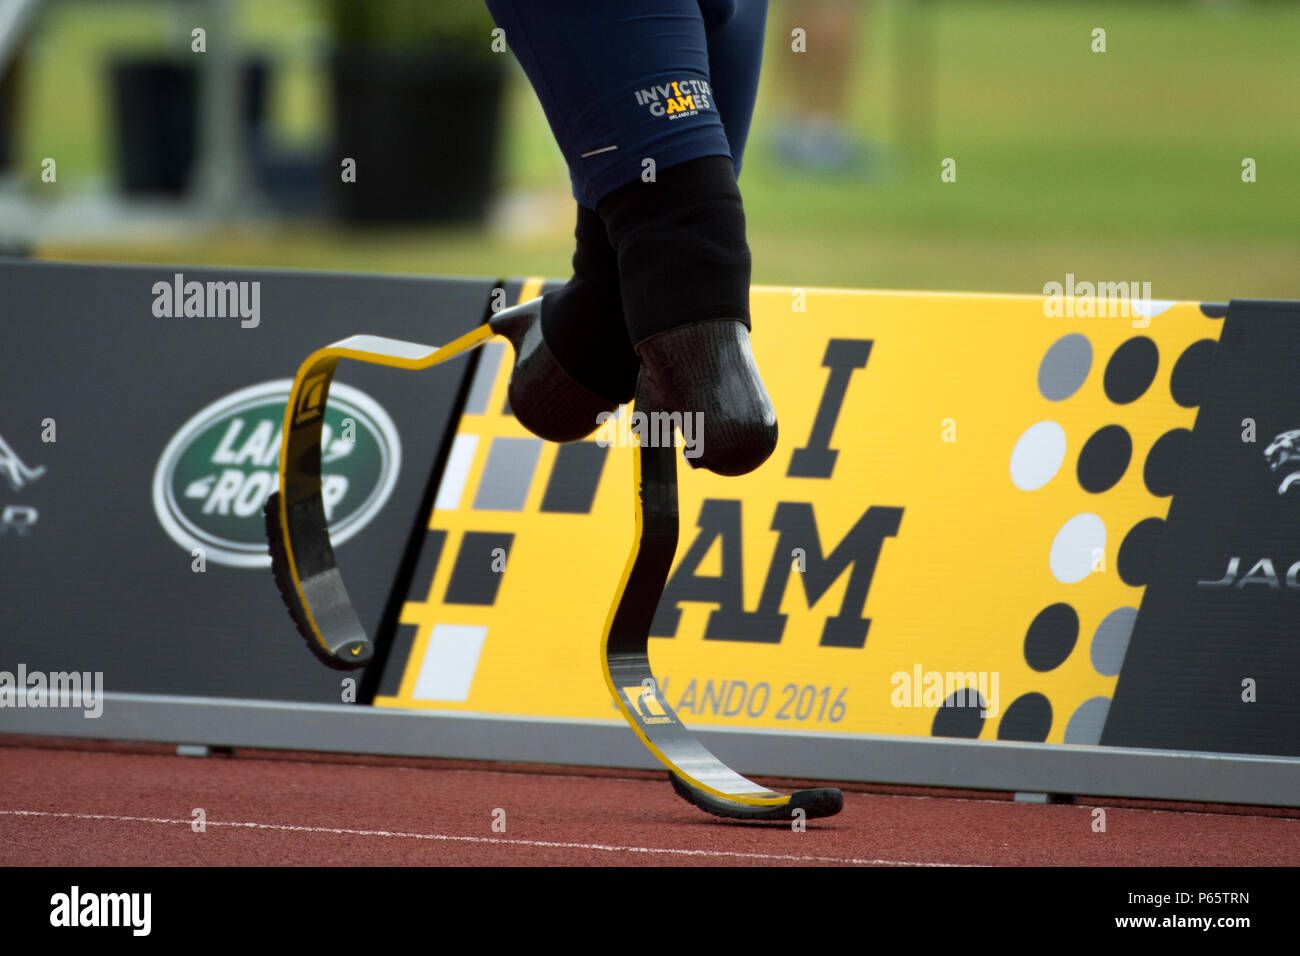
821, 802
289, 594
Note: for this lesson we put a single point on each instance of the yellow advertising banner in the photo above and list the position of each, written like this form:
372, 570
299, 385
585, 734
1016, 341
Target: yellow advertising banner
957, 501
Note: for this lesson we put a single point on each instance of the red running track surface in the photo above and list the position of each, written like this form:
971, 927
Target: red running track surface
73, 803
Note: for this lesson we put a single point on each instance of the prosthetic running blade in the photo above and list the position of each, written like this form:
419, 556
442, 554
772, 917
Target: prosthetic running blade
311, 585
302, 558
696, 774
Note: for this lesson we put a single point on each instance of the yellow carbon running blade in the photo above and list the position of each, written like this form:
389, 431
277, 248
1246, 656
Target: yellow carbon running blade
302, 557
697, 774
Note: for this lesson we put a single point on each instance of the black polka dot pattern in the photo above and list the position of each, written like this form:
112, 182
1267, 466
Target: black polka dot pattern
1029, 718
1164, 461
1191, 372
1137, 553
1102, 463
1051, 637
1104, 459
957, 719
1131, 370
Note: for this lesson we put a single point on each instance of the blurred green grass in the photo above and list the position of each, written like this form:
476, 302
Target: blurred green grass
1123, 165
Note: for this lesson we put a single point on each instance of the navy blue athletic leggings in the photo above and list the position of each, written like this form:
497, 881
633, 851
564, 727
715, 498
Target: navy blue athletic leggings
622, 81
650, 102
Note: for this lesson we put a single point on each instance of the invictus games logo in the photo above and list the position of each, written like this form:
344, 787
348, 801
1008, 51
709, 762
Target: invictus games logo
219, 468
1280, 454
676, 98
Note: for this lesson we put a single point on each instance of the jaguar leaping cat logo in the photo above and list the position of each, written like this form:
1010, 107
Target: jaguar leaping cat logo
1280, 452
12, 467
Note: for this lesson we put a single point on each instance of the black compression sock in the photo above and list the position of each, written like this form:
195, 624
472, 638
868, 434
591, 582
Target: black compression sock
583, 322
680, 242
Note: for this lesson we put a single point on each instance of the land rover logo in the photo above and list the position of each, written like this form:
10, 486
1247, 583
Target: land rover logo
219, 468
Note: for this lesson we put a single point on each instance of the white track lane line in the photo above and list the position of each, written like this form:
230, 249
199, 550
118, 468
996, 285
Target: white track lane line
793, 857
1082, 801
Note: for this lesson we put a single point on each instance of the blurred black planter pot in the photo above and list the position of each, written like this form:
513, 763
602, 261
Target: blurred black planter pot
10, 95
424, 132
157, 120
